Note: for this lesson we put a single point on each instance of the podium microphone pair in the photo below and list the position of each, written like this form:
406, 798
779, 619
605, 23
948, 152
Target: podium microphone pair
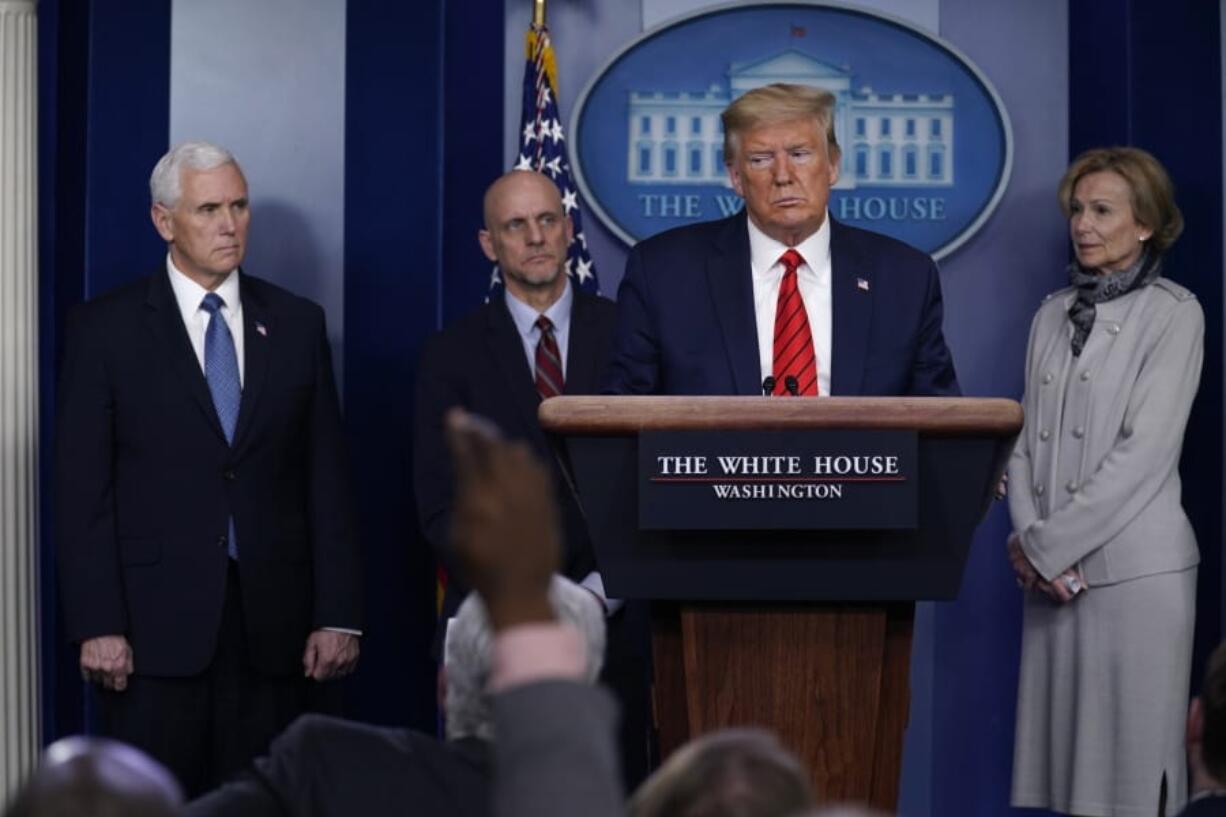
789, 383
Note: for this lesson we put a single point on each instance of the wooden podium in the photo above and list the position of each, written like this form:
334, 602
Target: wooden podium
804, 632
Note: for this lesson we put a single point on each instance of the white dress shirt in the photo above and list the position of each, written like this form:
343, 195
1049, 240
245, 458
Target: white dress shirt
524, 317
190, 295
813, 280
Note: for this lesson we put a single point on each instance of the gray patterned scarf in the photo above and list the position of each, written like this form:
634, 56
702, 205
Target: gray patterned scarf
1094, 287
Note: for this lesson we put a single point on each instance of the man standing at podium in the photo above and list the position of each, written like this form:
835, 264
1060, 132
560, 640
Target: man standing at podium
779, 298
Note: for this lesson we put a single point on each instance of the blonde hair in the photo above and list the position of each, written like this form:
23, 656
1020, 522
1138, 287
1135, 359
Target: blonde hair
780, 102
1153, 195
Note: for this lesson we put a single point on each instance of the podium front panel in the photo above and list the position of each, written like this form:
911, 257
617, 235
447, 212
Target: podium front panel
788, 565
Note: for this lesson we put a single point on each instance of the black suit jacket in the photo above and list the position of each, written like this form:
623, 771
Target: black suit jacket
1213, 805
478, 363
686, 321
327, 767
146, 482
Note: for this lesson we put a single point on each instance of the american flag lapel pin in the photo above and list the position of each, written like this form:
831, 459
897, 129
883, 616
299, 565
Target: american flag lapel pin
862, 284
259, 327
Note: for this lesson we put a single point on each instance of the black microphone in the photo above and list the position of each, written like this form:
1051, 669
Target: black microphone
768, 386
791, 385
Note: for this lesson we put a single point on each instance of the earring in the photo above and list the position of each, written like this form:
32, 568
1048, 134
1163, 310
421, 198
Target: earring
1142, 238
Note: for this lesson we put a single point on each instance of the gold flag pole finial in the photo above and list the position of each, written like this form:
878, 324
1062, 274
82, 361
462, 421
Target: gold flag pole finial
538, 13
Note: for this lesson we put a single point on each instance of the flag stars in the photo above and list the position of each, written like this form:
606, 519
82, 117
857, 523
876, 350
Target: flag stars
550, 129
542, 149
583, 270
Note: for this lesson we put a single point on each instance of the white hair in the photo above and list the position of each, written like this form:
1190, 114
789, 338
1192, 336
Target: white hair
468, 653
165, 182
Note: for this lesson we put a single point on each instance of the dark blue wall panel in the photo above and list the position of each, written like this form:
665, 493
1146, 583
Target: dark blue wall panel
127, 131
393, 177
61, 95
1100, 73
473, 144
1148, 73
423, 138
104, 74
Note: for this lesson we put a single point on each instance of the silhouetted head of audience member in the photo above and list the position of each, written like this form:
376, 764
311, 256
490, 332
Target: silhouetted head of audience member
731, 773
844, 810
95, 777
1207, 727
468, 652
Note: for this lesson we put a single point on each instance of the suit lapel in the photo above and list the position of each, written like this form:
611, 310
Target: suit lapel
851, 312
730, 279
257, 341
507, 351
582, 350
170, 335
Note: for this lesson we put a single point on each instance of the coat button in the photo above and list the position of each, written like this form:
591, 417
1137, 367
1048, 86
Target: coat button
221, 541
1126, 432
1079, 432
1072, 487
1114, 328
1038, 490
229, 474
1044, 435
1085, 376
1047, 378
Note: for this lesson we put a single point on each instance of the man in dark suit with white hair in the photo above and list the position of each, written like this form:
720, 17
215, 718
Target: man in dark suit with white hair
207, 562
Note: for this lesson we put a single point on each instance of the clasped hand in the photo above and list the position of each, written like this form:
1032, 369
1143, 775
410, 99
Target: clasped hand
1064, 588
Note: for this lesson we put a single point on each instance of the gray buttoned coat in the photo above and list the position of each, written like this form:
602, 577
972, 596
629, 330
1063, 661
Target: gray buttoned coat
1094, 478
1094, 483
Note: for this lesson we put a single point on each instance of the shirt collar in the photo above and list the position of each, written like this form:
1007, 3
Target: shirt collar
764, 251
189, 294
524, 316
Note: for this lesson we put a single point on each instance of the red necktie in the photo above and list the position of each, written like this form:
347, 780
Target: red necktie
549, 381
794, 355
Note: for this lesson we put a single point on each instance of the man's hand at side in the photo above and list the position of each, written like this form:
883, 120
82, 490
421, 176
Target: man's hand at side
107, 660
329, 654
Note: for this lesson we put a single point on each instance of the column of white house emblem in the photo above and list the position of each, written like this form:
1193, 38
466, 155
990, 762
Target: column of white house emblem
19, 707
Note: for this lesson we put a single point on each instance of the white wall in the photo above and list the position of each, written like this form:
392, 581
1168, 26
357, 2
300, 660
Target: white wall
267, 80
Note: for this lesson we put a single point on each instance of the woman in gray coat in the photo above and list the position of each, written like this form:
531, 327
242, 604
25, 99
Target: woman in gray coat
1100, 541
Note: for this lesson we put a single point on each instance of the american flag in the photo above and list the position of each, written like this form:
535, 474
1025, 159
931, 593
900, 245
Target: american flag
542, 147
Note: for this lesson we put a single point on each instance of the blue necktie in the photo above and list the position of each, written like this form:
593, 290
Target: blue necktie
221, 373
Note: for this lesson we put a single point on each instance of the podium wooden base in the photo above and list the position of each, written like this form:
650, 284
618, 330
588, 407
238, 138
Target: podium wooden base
831, 680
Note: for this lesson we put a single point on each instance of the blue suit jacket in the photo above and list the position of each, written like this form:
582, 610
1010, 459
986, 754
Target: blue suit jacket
146, 482
685, 316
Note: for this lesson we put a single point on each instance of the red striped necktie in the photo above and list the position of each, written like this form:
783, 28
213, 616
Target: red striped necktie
549, 380
794, 354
